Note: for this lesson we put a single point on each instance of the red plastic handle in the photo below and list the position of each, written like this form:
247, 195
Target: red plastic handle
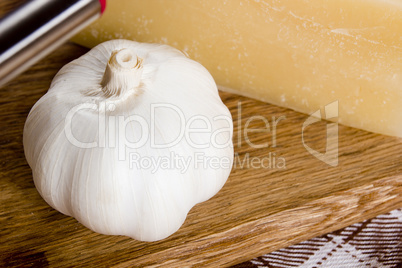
103, 5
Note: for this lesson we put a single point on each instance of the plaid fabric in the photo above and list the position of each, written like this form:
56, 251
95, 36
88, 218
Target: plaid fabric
373, 243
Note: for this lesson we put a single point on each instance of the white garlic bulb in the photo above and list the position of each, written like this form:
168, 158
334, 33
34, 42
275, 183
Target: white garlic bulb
128, 138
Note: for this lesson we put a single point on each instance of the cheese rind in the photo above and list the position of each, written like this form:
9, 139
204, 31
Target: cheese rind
301, 55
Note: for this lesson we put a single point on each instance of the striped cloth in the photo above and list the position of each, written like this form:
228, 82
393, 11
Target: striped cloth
373, 243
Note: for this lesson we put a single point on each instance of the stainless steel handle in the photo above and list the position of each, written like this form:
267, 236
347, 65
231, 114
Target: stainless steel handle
37, 28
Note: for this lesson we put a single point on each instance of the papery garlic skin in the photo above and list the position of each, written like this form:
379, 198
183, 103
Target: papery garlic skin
88, 140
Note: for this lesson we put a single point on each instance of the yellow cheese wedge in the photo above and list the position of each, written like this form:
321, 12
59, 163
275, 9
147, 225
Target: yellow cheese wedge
300, 54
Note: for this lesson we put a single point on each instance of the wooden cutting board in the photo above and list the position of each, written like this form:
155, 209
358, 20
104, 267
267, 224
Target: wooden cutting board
277, 195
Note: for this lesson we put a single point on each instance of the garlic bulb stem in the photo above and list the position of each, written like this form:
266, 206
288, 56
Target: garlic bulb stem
122, 74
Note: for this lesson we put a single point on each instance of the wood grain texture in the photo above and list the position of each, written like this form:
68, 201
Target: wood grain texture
260, 209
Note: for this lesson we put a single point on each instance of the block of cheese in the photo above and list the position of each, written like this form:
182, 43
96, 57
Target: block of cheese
300, 54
